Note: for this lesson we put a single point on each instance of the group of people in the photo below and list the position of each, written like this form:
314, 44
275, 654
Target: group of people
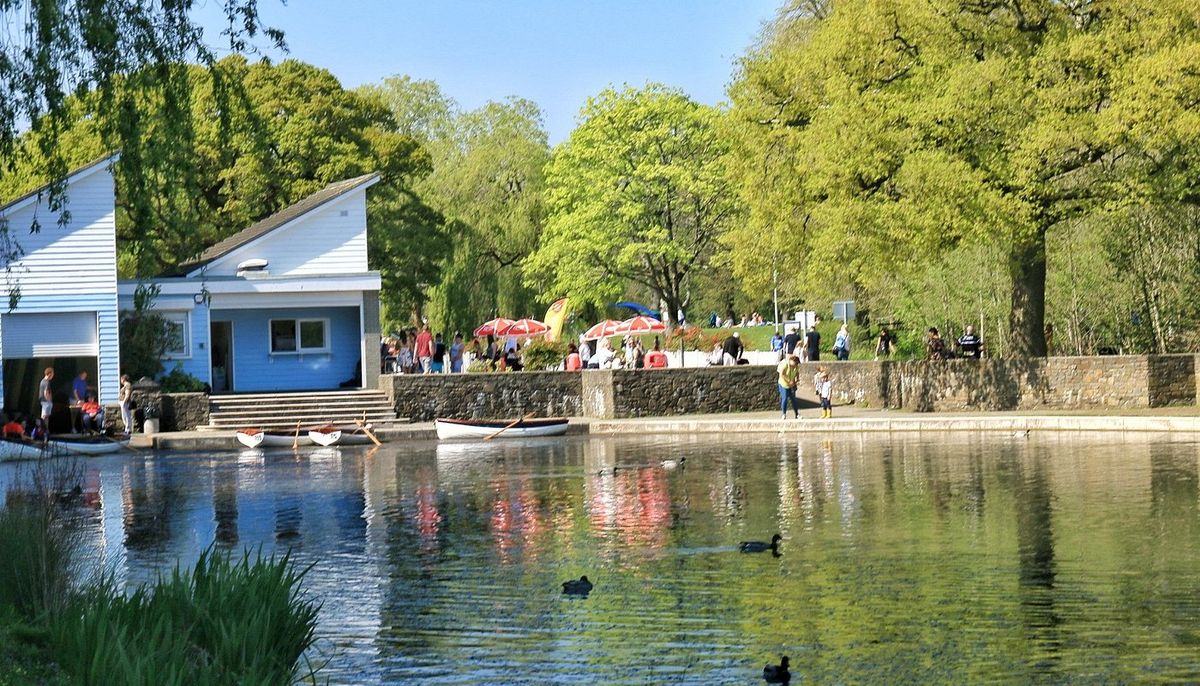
752, 319
414, 351
78, 411
808, 347
631, 355
789, 381
970, 345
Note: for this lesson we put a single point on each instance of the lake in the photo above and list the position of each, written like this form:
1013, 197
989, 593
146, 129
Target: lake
931, 558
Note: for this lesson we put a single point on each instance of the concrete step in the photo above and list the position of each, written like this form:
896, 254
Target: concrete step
283, 410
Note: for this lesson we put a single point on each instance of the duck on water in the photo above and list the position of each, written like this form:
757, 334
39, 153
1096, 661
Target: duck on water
761, 546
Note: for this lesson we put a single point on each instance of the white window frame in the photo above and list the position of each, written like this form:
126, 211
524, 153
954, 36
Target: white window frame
300, 350
184, 319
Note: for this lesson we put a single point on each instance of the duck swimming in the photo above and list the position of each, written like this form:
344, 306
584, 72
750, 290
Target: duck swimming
580, 586
761, 547
777, 674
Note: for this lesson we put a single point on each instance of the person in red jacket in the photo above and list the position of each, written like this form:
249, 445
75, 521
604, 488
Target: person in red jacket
424, 350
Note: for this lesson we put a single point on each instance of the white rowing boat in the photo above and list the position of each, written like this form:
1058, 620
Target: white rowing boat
476, 428
339, 435
257, 438
89, 445
19, 450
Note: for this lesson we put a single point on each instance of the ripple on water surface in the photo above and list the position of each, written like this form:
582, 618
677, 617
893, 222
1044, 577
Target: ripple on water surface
906, 559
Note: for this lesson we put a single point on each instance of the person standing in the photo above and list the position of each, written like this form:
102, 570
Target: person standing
841, 344
46, 395
789, 377
424, 350
777, 346
790, 340
585, 352
825, 390
970, 343
812, 344
79, 389
935, 347
438, 365
885, 343
456, 354
125, 397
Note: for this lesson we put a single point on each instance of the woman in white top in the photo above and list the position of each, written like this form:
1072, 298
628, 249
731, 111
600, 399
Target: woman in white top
125, 397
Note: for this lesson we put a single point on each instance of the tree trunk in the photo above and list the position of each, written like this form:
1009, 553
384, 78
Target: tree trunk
1027, 318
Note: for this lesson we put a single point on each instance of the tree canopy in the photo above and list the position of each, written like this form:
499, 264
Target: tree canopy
876, 137
638, 194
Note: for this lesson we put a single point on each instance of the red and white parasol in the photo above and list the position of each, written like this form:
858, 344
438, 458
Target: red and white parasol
494, 327
524, 327
640, 325
604, 329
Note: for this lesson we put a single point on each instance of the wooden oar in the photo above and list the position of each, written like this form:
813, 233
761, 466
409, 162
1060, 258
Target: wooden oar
367, 431
488, 438
296, 438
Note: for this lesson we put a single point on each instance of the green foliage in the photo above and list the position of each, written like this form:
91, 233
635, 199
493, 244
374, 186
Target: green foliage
35, 558
695, 338
873, 138
637, 195
542, 354
145, 335
179, 381
221, 622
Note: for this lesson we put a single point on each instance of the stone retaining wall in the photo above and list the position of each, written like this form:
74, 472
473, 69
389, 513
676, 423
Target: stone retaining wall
421, 397
177, 411
1126, 382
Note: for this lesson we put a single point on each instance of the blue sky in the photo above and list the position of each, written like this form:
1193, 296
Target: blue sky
554, 52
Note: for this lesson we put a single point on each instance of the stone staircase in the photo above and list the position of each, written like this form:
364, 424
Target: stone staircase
283, 410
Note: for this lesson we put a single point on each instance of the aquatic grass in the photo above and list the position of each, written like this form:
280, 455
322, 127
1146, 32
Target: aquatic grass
220, 622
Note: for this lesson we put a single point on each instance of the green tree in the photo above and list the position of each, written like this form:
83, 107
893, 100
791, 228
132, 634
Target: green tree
290, 130
488, 182
638, 194
879, 135
53, 51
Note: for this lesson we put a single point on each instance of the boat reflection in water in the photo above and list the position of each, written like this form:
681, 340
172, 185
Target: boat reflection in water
935, 558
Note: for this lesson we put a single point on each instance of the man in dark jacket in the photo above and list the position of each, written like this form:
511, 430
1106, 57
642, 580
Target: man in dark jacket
812, 341
732, 349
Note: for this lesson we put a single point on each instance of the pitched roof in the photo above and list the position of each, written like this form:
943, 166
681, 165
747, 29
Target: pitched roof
78, 171
327, 194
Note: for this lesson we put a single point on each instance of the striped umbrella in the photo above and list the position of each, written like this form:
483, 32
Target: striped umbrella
604, 329
640, 325
524, 327
493, 327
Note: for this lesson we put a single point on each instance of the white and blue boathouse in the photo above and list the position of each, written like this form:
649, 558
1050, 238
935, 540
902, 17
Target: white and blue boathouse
287, 304
64, 279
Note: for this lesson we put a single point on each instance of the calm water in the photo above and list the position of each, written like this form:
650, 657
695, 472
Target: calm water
941, 558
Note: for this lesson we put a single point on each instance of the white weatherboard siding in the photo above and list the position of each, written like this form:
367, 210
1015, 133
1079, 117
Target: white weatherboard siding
329, 240
68, 269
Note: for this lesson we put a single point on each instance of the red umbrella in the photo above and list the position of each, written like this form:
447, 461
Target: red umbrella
523, 327
640, 325
493, 328
604, 329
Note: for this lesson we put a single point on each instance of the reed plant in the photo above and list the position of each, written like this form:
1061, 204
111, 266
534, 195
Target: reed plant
224, 621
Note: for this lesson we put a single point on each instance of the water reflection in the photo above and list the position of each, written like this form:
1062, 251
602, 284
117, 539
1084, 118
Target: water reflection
946, 559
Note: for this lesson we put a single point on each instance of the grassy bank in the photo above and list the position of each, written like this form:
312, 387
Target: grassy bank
221, 621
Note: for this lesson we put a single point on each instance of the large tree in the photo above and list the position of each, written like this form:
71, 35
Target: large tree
488, 182
52, 52
877, 135
289, 129
638, 194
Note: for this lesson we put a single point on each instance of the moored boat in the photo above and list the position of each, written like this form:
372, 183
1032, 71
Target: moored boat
88, 445
482, 428
257, 438
339, 435
325, 435
19, 450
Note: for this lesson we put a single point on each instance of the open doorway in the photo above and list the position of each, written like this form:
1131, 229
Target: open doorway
221, 347
22, 376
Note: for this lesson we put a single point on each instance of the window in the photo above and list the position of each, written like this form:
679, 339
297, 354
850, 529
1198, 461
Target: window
299, 336
180, 344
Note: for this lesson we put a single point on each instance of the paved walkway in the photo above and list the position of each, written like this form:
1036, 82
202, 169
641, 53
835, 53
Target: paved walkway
846, 419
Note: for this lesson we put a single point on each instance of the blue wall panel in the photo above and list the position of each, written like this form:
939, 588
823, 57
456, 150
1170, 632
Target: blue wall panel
256, 369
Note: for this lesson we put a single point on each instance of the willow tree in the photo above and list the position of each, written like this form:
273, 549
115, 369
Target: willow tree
880, 134
636, 195
52, 50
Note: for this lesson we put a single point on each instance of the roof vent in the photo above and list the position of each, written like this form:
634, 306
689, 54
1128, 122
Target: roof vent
251, 268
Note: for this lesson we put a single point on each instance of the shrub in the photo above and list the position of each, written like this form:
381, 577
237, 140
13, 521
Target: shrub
179, 381
542, 354
693, 338
221, 622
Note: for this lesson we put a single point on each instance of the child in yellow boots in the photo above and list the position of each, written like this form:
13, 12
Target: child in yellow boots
825, 390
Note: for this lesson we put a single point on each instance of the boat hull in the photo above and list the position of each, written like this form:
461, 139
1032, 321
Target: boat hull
18, 450
325, 438
467, 428
253, 438
90, 447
